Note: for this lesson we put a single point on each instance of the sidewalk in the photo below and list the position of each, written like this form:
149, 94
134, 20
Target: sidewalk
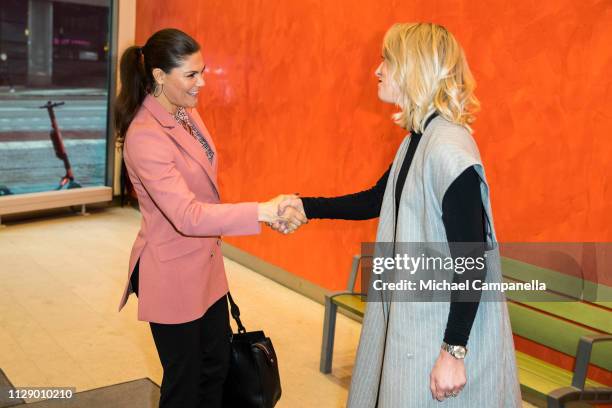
28, 136
22, 92
23, 117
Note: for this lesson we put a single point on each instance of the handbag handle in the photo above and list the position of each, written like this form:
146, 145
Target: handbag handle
235, 310
269, 354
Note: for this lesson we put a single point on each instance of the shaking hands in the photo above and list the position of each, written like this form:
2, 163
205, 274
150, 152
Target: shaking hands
284, 213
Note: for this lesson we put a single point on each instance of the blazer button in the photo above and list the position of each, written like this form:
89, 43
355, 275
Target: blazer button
212, 254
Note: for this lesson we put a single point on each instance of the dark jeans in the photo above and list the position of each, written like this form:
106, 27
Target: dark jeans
194, 356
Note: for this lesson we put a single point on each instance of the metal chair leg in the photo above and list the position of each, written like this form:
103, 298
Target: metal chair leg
329, 332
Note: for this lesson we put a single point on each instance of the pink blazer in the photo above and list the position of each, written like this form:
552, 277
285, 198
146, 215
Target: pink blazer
181, 271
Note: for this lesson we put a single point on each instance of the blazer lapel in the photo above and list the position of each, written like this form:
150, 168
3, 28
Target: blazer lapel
197, 120
184, 139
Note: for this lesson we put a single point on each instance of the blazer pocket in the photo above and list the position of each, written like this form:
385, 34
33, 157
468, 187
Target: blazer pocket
177, 248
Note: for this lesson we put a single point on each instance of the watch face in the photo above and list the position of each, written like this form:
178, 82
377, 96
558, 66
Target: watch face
458, 352
455, 351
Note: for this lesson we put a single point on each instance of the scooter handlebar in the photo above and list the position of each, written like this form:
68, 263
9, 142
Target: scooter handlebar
51, 105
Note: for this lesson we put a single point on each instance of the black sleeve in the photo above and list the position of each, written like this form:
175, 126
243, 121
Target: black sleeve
357, 206
463, 217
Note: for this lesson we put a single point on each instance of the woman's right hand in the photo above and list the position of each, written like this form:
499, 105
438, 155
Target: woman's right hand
286, 219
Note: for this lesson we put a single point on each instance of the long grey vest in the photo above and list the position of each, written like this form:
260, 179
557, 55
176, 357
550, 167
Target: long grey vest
416, 330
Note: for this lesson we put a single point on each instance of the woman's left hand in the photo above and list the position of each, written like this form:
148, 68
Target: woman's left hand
447, 377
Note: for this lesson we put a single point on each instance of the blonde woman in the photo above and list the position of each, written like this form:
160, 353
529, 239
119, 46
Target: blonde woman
414, 354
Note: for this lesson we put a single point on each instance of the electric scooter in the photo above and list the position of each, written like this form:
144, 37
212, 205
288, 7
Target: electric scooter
67, 182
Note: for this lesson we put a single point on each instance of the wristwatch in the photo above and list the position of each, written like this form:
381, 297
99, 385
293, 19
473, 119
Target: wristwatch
455, 351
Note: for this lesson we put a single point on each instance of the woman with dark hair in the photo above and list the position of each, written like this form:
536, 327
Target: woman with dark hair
176, 266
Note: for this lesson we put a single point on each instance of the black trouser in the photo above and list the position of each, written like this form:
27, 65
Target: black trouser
194, 356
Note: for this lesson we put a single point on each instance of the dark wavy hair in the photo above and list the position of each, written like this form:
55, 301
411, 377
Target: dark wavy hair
166, 49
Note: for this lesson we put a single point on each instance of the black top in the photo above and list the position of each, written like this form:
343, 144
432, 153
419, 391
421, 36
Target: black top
463, 218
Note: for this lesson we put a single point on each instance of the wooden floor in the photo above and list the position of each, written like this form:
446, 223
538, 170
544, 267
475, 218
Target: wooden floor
61, 281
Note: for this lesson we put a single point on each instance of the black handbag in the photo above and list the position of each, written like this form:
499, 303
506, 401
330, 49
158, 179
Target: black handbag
253, 380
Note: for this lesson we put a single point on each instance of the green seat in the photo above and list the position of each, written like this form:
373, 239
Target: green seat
351, 302
539, 378
570, 327
348, 300
557, 333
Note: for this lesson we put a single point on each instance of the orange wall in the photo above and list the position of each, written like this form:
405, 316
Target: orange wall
291, 103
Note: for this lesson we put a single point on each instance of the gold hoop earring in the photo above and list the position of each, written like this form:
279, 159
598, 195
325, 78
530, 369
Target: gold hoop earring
161, 89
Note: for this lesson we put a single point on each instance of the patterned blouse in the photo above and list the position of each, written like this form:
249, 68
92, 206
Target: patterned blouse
183, 119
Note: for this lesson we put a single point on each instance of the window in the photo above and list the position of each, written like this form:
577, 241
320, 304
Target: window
54, 92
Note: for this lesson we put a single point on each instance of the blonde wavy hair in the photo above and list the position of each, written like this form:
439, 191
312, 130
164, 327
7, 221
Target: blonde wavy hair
430, 73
